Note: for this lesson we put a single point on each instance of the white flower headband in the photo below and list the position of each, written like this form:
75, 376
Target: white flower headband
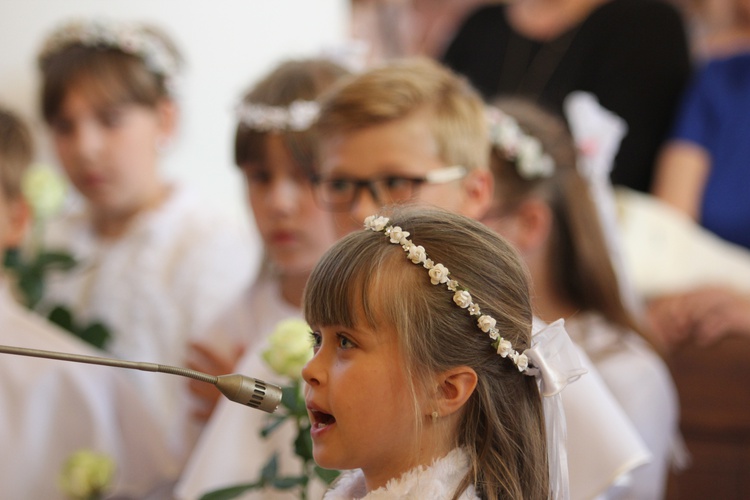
439, 274
129, 38
517, 146
298, 116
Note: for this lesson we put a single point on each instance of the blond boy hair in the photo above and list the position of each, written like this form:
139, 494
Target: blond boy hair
16, 152
402, 88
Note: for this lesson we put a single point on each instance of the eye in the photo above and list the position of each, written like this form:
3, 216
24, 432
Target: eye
339, 185
344, 342
112, 117
62, 126
315, 340
257, 176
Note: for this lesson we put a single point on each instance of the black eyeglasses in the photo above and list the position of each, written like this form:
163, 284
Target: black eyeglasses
338, 195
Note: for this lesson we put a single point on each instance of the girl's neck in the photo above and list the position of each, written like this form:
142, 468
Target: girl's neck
548, 303
111, 225
548, 19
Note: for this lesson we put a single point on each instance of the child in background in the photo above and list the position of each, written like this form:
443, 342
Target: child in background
155, 263
425, 395
51, 409
412, 131
277, 153
543, 206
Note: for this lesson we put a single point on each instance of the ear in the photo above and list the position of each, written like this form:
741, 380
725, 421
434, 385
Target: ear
455, 386
533, 223
478, 188
168, 114
19, 214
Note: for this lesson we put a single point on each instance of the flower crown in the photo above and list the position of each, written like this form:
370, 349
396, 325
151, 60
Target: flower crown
523, 150
439, 274
298, 116
130, 38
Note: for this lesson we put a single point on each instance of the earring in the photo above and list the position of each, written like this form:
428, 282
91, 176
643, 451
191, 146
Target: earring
434, 416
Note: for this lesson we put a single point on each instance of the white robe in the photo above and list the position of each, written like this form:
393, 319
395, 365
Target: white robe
50, 409
641, 383
156, 287
230, 450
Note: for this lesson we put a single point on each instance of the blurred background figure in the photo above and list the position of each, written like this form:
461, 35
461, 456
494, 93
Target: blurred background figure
52, 409
155, 262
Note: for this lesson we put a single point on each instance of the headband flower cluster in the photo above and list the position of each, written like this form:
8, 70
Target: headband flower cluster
522, 149
298, 116
439, 275
130, 38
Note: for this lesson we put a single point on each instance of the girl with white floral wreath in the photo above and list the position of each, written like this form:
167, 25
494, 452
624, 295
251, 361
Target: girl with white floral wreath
155, 263
425, 382
544, 205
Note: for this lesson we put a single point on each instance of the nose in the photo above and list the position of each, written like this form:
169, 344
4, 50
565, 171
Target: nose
313, 373
366, 204
88, 142
282, 196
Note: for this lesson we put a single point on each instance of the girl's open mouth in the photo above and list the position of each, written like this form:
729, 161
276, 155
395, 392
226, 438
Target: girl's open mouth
321, 420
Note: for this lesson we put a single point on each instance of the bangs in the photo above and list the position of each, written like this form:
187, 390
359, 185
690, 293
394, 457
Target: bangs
250, 148
108, 77
351, 281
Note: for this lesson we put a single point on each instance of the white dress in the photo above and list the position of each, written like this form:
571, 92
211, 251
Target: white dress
230, 450
50, 409
641, 383
436, 482
155, 288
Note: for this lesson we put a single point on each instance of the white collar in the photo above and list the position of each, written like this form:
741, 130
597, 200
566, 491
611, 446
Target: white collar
438, 481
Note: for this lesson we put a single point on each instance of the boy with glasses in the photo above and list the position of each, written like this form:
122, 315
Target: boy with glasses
411, 131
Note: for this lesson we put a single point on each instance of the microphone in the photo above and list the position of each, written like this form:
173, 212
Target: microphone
238, 388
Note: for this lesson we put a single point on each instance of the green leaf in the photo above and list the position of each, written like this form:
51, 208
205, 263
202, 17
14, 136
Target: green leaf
303, 443
97, 335
293, 400
12, 259
231, 492
62, 317
326, 475
56, 260
285, 483
269, 471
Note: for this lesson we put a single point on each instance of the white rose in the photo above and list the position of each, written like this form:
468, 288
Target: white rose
417, 254
438, 274
452, 285
44, 190
462, 298
486, 323
289, 348
375, 222
86, 474
398, 235
504, 348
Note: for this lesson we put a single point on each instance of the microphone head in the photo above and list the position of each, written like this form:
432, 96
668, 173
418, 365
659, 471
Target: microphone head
250, 392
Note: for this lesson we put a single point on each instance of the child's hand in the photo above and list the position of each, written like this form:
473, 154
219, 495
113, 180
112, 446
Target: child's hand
204, 358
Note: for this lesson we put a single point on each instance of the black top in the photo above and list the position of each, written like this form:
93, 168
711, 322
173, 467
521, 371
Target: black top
632, 54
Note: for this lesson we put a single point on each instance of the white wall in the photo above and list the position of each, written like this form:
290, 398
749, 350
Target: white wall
227, 44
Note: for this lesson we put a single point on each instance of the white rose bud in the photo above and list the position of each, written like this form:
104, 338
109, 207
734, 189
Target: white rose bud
438, 274
504, 348
486, 323
462, 298
398, 235
86, 474
417, 254
522, 362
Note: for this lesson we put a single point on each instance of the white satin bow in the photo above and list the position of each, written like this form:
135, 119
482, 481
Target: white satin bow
554, 359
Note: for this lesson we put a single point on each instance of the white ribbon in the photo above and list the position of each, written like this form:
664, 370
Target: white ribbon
555, 364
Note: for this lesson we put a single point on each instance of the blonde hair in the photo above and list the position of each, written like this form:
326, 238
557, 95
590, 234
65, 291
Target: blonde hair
290, 81
403, 88
581, 266
108, 73
16, 151
502, 426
